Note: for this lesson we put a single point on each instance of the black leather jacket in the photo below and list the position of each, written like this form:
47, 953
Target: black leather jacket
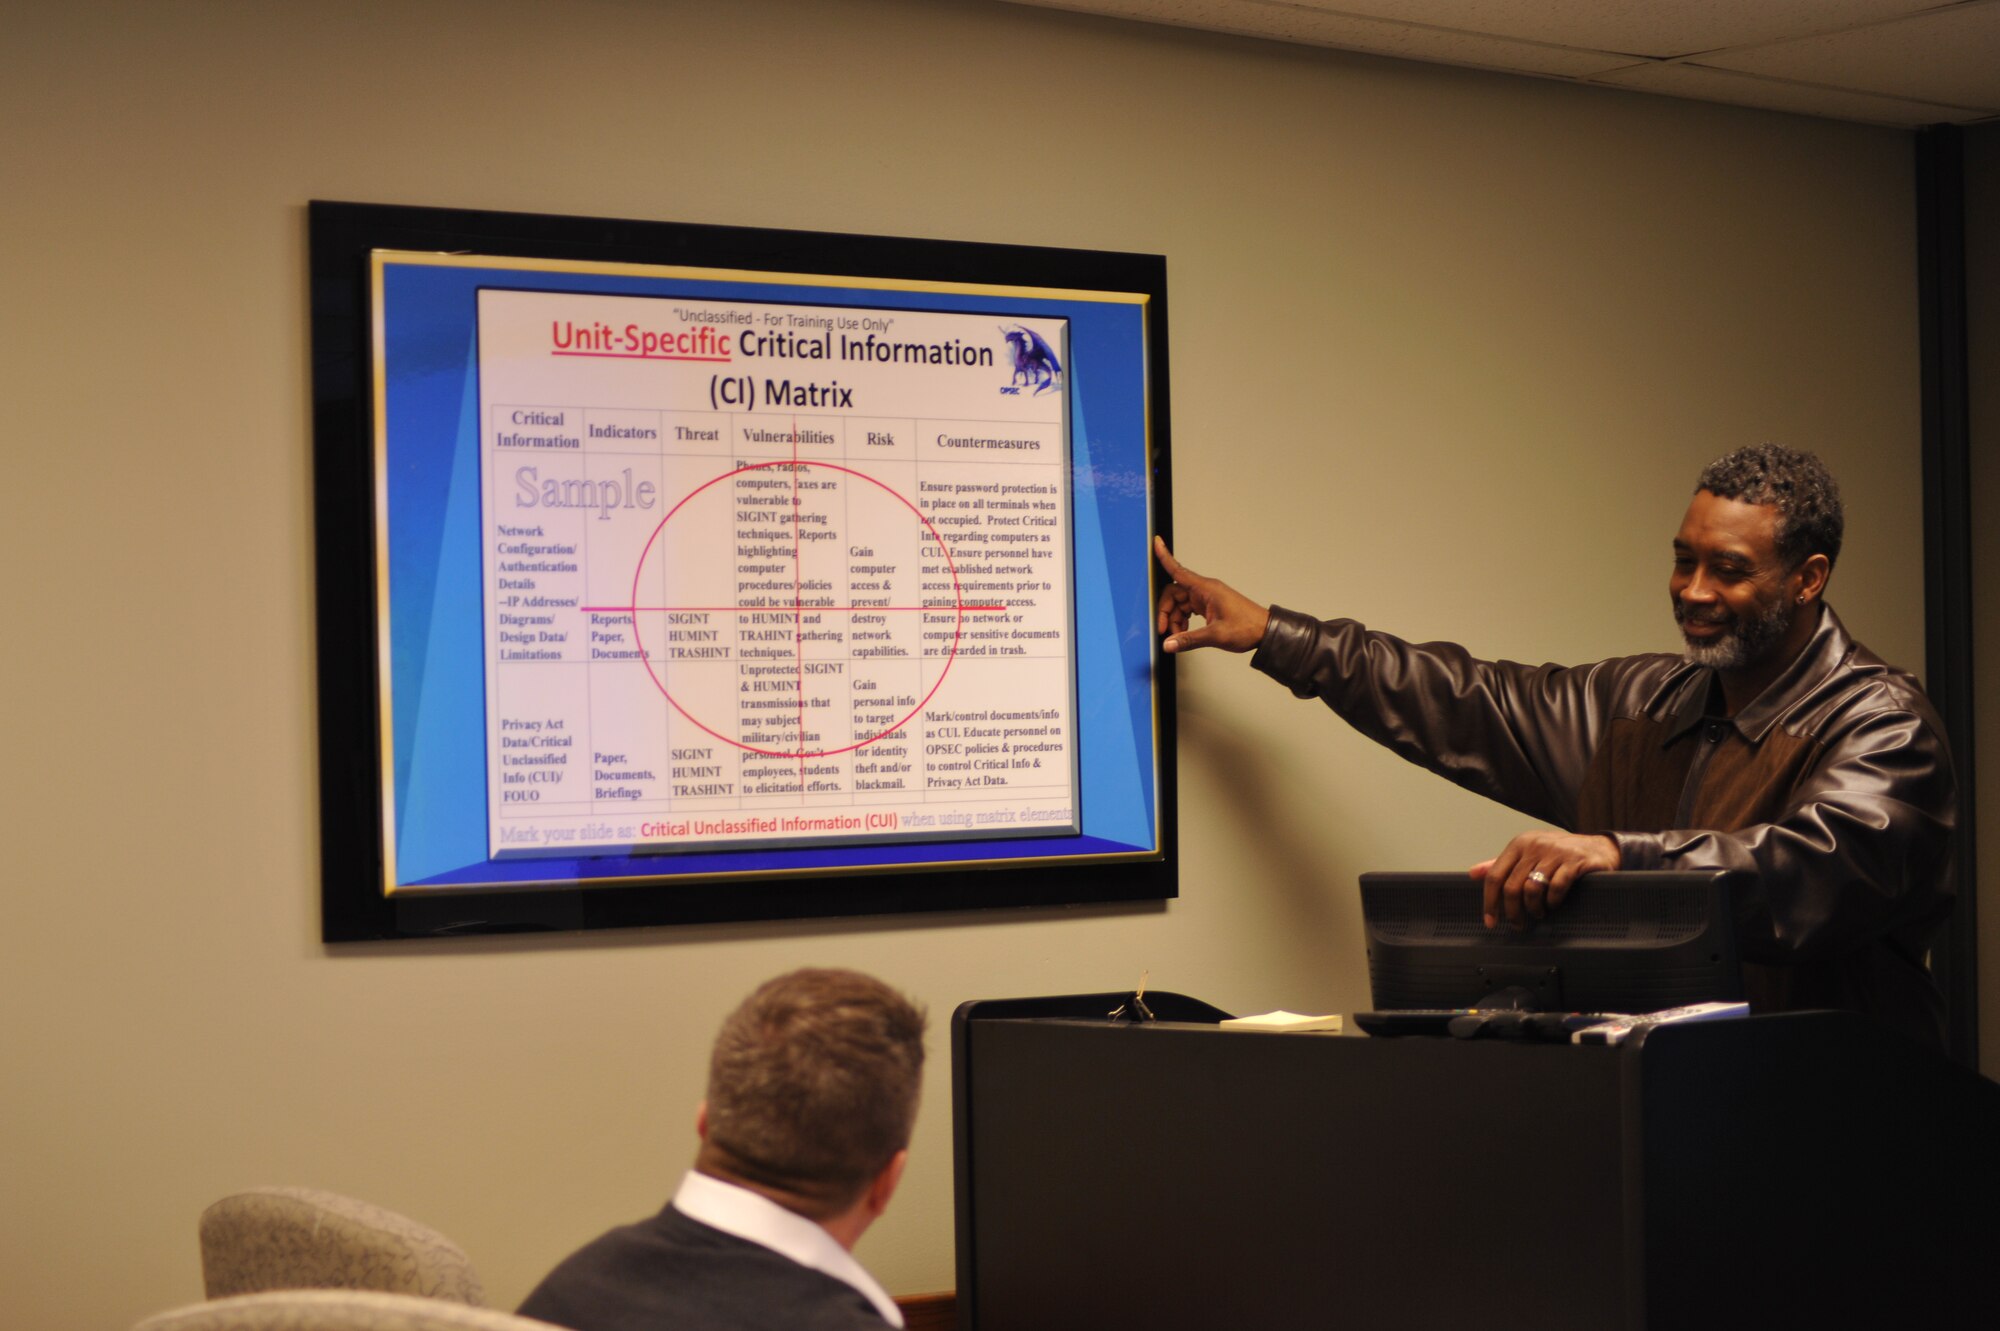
1834, 787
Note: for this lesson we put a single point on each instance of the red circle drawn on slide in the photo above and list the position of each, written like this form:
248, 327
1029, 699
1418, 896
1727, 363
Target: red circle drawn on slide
957, 606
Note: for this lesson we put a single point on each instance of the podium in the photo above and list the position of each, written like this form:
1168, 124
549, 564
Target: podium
1795, 1170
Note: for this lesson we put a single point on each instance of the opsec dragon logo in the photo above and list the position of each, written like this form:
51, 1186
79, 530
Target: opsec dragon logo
1035, 365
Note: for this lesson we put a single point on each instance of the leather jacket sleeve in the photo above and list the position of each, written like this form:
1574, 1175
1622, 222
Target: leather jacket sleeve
1522, 735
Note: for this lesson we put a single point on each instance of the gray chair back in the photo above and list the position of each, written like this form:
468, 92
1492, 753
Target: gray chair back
301, 1238
336, 1310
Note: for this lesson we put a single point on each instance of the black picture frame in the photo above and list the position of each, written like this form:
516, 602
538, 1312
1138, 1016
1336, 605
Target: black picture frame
355, 904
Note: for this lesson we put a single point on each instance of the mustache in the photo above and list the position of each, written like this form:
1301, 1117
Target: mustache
1684, 615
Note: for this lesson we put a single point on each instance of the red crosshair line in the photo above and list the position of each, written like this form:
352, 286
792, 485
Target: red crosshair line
798, 616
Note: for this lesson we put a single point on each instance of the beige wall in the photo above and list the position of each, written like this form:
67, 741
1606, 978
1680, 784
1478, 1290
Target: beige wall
1982, 281
1448, 349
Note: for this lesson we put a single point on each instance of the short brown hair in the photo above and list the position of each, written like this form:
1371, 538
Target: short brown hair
813, 1084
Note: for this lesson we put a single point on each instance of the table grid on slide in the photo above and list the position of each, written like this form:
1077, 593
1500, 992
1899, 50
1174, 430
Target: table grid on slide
703, 617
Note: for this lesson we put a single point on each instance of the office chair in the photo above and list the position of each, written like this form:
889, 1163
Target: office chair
301, 1238
335, 1310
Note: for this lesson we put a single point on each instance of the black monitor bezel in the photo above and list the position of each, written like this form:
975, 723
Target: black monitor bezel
1599, 974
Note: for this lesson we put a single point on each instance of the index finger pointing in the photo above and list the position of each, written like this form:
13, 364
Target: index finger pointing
1175, 569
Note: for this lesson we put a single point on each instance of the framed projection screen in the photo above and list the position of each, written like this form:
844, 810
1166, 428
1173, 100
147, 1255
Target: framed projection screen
675, 573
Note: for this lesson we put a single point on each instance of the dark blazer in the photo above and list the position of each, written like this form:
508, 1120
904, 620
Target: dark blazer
671, 1273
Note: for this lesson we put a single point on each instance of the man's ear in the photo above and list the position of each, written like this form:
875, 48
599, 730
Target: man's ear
884, 1186
701, 1121
1809, 578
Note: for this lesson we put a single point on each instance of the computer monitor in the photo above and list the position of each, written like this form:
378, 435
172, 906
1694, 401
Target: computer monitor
1627, 941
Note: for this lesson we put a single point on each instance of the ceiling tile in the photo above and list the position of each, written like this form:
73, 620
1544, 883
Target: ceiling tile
1650, 28
1721, 85
1316, 27
1896, 62
1947, 55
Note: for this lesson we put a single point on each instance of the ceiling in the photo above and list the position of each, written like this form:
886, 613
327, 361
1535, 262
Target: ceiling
1885, 62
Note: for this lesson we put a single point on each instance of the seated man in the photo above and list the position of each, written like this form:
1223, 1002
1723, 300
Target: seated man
812, 1093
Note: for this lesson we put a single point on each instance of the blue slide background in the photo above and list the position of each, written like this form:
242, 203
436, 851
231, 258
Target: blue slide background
437, 651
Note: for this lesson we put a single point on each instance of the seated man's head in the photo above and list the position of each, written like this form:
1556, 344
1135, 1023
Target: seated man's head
812, 1090
1755, 549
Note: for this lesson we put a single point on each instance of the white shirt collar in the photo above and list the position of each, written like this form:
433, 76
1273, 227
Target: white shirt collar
749, 1215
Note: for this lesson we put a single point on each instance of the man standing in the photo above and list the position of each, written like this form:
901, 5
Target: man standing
812, 1094
1775, 744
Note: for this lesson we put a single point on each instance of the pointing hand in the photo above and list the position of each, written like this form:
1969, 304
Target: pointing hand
1232, 621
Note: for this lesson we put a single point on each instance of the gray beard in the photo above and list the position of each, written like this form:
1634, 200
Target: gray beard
1748, 642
